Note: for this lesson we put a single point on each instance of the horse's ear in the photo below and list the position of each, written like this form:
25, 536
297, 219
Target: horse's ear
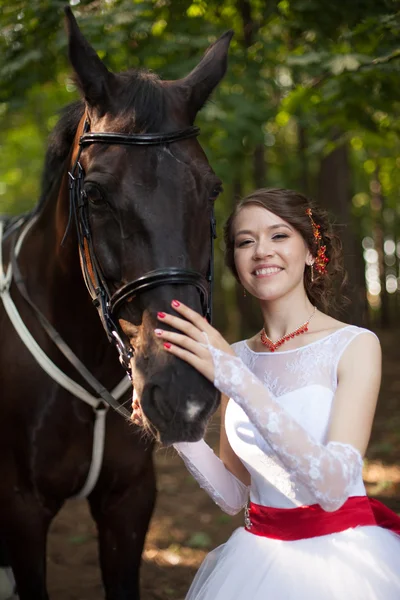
207, 75
93, 77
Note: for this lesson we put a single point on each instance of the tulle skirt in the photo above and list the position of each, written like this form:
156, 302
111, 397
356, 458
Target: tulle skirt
357, 564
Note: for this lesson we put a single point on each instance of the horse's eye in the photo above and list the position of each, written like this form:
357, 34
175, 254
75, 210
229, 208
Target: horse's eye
93, 194
216, 192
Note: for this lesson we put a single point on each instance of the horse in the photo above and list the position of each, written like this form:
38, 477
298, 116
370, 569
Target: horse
127, 199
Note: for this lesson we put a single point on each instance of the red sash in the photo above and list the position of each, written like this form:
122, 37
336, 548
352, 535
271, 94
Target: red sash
303, 522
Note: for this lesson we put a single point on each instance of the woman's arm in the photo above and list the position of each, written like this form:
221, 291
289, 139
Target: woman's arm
359, 380
221, 485
225, 479
327, 470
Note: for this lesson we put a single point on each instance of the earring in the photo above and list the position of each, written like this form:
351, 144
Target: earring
312, 272
244, 293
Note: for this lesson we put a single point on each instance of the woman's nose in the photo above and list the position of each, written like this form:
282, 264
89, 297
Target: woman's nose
263, 250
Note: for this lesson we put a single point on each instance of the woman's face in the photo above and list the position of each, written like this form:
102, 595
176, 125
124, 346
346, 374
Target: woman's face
270, 255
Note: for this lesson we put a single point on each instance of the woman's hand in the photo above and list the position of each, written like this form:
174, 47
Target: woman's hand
191, 344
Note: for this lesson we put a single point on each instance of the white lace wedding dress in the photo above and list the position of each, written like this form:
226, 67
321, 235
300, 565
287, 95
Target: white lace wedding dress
277, 424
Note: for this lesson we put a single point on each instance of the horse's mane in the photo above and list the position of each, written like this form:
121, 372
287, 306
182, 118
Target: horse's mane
140, 96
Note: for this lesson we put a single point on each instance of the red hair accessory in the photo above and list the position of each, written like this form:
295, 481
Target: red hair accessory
321, 260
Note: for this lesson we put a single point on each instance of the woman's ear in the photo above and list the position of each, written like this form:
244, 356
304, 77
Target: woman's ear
310, 260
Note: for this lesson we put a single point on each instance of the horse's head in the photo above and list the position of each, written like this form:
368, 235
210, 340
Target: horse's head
148, 208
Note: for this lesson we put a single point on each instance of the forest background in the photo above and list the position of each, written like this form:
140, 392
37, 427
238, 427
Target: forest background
310, 101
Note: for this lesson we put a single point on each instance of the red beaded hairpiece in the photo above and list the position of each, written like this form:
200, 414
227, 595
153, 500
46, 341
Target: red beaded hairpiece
321, 260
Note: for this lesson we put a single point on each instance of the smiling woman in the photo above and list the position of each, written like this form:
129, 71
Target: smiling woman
281, 216
295, 422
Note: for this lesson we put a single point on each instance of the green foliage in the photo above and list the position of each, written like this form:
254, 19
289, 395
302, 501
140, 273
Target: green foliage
199, 539
330, 72
288, 60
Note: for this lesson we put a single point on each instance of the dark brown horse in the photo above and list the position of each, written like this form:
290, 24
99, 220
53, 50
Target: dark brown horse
147, 208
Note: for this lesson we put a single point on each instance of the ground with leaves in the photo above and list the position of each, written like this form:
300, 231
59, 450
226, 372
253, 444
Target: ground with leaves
187, 524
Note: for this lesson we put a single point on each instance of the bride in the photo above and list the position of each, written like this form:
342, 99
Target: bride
298, 401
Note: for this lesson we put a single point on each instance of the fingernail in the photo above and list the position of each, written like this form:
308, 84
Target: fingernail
175, 303
158, 331
167, 345
161, 315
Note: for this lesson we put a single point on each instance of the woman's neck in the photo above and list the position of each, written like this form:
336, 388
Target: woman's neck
284, 315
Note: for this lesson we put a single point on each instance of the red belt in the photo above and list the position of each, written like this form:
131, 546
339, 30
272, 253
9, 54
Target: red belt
303, 522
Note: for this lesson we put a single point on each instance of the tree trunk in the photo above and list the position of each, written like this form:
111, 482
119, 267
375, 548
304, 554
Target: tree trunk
334, 193
377, 206
248, 307
249, 26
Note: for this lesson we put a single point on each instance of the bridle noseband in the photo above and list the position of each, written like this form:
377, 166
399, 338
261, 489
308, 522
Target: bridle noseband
106, 303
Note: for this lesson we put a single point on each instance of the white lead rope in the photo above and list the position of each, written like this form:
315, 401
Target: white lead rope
99, 432
55, 373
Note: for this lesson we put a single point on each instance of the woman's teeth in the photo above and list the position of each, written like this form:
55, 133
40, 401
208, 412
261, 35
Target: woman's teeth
268, 271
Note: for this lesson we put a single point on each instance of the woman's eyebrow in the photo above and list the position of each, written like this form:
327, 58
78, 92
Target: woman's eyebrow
271, 227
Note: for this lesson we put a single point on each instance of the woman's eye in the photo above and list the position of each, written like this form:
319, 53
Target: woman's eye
280, 236
93, 194
243, 243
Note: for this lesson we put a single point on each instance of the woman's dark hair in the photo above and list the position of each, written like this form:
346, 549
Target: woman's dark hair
325, 290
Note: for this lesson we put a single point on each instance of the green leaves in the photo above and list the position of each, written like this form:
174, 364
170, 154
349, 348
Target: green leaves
200, 540
344, 62
304, 60
292, 68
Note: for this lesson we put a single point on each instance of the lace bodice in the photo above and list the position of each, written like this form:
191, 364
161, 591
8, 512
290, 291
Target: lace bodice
303, 383
277, 421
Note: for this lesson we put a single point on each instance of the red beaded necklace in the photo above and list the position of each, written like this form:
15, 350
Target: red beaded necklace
272, 346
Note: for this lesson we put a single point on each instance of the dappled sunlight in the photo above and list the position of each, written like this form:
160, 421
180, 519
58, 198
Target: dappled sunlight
382, 479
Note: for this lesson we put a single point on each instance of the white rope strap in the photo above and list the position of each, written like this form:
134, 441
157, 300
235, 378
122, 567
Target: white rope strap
99, 431
56, 374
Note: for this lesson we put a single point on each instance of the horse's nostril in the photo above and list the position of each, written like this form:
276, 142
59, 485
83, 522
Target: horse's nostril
160, 403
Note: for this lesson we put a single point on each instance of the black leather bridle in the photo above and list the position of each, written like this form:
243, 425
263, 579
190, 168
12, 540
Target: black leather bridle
106, 303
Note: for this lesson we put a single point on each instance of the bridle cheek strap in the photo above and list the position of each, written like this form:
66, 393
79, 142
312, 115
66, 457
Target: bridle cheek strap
88, 262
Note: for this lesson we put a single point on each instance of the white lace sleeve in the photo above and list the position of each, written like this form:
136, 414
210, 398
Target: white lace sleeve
328, 471
210, 472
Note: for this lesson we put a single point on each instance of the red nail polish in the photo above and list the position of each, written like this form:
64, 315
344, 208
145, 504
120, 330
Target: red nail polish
161, 315
167, 345
158, 331
175, 303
